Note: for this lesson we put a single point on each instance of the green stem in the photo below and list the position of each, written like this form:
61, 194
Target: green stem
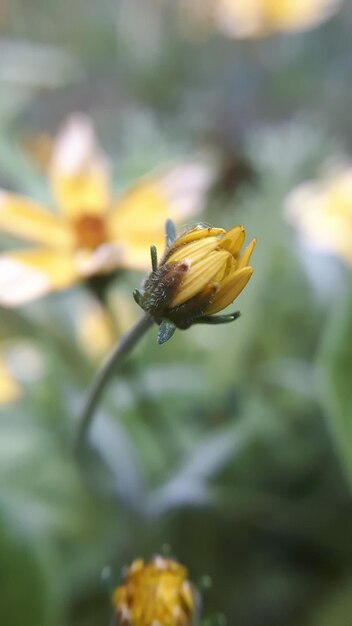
100, 381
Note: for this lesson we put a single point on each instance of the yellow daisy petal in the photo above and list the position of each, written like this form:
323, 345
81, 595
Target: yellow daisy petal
233, 240
199, 275
199, 232
29, 274
138, 218
247, 253
194, 251
230, 288
23, 218
78, 170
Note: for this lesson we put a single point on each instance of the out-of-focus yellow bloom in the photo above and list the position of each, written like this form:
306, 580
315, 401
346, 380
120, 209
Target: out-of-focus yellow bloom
93, 234
99, 328
322, 212
202, 272
20, 362
255, 18
157, 593
9, 388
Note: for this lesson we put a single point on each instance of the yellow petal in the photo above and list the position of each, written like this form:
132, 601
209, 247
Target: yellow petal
9, 389
230, 288
138, 217
199, 275
29, 274
23, 218
247, 253
233, 240
78, 170
229, 267
199, 232
193, 251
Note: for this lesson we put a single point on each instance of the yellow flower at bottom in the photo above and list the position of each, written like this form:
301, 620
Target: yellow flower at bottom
201, 273
156, 593
322, 212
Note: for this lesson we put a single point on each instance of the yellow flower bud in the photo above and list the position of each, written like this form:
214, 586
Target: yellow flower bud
156, 593
202, 272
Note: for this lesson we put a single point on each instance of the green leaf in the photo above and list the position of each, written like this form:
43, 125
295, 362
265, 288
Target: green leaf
189, 484
165, 332
137, 296
335, 367
218, 319
27, 580
170, 232
336, 607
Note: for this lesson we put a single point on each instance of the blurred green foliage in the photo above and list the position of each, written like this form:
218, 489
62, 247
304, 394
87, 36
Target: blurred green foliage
230, 446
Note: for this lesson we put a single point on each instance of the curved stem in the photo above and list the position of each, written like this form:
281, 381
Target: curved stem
100, 381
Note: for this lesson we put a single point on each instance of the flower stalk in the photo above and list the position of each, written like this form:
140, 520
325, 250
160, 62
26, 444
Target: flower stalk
200, 274
118, 354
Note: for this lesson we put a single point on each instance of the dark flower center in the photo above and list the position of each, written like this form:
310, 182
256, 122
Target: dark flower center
90, 231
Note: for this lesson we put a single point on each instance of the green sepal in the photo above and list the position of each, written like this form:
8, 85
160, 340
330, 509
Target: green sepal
137, 296
170, 232
165, 332
154, 258
218, 319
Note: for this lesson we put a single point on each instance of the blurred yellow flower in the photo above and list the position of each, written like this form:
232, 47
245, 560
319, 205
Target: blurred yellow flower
93, 234
322, 212
99, 327
155, 594
9, 388
202, 272
20, 362
255, 18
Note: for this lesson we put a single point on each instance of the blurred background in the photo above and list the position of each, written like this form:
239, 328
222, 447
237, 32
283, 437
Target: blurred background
230, 447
